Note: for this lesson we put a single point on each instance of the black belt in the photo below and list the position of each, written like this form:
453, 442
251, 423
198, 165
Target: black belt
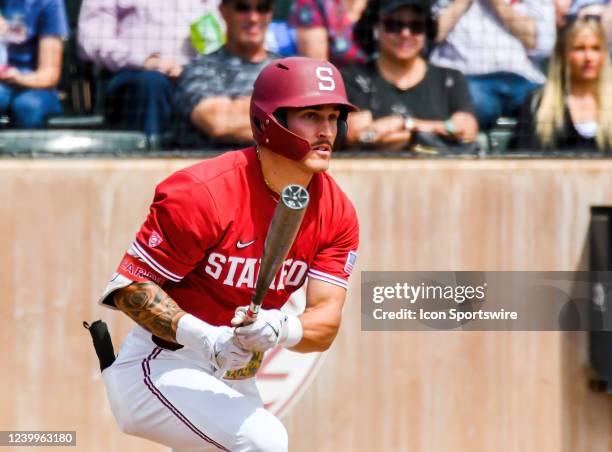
163, 343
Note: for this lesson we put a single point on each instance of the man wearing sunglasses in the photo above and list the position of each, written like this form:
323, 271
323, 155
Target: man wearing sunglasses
215, 89
496, 44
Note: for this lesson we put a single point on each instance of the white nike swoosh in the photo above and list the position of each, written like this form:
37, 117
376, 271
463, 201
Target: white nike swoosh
241, 245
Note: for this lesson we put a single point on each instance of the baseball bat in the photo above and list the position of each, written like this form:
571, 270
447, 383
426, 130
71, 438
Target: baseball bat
281, 234
283, 228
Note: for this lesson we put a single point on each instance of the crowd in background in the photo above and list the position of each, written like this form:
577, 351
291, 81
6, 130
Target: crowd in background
429, 74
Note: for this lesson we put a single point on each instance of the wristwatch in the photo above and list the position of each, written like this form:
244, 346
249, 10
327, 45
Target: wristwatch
369, 136
409, 123
449, 127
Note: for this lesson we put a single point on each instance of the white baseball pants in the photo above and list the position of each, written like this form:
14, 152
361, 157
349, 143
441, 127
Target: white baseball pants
173, 398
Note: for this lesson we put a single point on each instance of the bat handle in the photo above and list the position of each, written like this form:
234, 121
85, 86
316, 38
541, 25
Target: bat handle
252, 313
251, 369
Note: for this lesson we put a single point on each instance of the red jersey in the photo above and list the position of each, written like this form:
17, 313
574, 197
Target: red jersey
204, 237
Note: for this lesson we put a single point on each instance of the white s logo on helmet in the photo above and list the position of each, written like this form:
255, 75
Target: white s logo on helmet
326, 79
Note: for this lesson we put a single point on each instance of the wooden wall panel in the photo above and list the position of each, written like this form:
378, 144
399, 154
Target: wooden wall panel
65, 224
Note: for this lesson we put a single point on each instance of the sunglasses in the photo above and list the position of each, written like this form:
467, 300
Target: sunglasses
571, 18
261, 8
416, 27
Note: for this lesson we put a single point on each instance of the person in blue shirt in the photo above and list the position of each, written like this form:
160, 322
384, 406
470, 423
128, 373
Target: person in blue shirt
31, 34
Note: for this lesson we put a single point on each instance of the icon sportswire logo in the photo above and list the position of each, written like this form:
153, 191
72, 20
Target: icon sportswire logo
241, 245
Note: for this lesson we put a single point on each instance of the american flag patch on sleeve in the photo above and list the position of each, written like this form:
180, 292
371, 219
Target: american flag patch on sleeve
350, 262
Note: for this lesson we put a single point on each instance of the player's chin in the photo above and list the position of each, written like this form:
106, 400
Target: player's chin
316, 163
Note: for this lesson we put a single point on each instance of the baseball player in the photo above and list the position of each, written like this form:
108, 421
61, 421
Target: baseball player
190, 273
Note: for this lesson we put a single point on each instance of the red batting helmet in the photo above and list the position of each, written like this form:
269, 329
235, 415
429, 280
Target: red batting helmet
294, 82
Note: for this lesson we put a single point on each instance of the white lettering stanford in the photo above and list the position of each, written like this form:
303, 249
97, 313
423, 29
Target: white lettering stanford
242, 272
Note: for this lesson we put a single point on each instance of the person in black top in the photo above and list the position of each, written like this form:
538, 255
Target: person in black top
402, 96
573, 112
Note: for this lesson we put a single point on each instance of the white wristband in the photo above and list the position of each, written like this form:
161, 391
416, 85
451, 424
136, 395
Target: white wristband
196, 334
294, 331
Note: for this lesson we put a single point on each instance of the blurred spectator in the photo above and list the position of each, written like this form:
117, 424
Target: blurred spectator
401, 96
562, 8
215, 89
145, 43
492, 42
325, 29
606, 22
587, 7
602, 8
281, 39
574, 109
31, 37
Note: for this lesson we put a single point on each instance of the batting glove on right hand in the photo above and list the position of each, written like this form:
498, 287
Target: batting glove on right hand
227, 355
272, 327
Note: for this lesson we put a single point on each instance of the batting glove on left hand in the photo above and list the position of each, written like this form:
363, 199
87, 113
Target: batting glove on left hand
271, 328
227, 355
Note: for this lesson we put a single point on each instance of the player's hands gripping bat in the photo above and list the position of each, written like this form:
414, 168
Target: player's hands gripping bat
267, 331
281, 234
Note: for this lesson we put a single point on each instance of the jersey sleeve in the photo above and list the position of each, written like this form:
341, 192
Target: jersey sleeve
182, 224
53, 20
337, 256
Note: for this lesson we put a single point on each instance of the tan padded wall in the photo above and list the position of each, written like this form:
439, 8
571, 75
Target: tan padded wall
64, 226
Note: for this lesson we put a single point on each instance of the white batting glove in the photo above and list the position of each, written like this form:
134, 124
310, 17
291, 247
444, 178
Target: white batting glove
271, 328
240, 314
216, 344
227, 354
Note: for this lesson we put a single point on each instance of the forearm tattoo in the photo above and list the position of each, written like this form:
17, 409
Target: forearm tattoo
149, 306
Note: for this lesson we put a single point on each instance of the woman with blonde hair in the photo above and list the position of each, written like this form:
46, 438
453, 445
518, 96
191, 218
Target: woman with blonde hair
573, 111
